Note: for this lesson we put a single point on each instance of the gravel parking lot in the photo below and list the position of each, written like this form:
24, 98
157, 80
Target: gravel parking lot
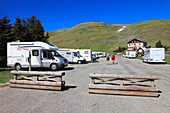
75, 98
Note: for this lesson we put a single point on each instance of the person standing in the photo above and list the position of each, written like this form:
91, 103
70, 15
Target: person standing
107, 58
113, 58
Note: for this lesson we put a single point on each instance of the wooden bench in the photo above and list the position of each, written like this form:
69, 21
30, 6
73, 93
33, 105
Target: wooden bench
123, 85
38, 80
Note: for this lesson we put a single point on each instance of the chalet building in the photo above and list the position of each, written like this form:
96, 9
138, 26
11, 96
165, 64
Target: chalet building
134, 44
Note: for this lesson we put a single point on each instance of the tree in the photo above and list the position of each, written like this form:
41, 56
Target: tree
35, 30
158, 44
5, 35
29, 30
18, 30
47, 37
119, 49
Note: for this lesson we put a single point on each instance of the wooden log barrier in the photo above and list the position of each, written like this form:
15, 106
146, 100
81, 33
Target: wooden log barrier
38, 80
123, 85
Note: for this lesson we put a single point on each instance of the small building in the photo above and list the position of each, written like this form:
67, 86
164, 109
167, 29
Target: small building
140, 51
134, 44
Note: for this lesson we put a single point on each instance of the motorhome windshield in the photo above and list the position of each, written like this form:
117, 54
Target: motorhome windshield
76, 54
56, 54
79, 55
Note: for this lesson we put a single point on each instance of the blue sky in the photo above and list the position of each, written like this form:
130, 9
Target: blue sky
59, 14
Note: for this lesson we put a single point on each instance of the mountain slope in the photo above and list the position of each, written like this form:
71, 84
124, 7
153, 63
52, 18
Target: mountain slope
104, 37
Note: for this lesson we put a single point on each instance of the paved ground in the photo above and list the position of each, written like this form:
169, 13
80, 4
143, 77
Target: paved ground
76, 98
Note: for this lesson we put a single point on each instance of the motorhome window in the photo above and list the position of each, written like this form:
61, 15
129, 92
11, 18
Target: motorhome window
75, 54
50, 56
86, 52
45, 54
68, 53
35, 53
53, 53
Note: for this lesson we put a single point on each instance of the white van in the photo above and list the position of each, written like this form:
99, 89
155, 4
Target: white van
40, 54
86, 53
131, 54
72, 56
154, 55
99, 54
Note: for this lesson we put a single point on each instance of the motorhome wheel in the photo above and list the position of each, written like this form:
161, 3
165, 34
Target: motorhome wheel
79, 62
54, 67
18, 67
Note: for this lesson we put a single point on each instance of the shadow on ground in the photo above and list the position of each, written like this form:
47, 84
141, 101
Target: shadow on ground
67, 87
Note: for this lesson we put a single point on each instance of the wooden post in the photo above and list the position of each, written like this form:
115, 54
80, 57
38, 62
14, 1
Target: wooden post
46, 81
152, 83
15, 76
29, 60
121, 82
121, 85
60, 79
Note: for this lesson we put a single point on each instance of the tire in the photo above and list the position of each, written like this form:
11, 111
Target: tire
18, 67
54, 67
79, 62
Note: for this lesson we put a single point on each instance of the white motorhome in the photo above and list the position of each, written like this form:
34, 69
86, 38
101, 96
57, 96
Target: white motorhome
131, 54
86, 53
40, 54
154, 55
72, 56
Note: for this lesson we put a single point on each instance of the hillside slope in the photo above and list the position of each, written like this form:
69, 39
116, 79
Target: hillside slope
104, 37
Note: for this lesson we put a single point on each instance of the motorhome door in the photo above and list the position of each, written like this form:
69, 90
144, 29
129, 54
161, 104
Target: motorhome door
35, 58
75, 57
47, 58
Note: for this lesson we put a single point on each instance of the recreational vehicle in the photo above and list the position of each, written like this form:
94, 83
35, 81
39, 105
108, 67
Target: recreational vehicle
86, 53
131, 54
72, 56
154, 55
38, 54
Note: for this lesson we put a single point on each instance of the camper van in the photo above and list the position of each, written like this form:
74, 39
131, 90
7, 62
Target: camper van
38, 54
86, 53
154, 55
131, 54
72, 56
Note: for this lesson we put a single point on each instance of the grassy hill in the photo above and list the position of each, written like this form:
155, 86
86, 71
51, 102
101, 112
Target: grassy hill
104, 37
